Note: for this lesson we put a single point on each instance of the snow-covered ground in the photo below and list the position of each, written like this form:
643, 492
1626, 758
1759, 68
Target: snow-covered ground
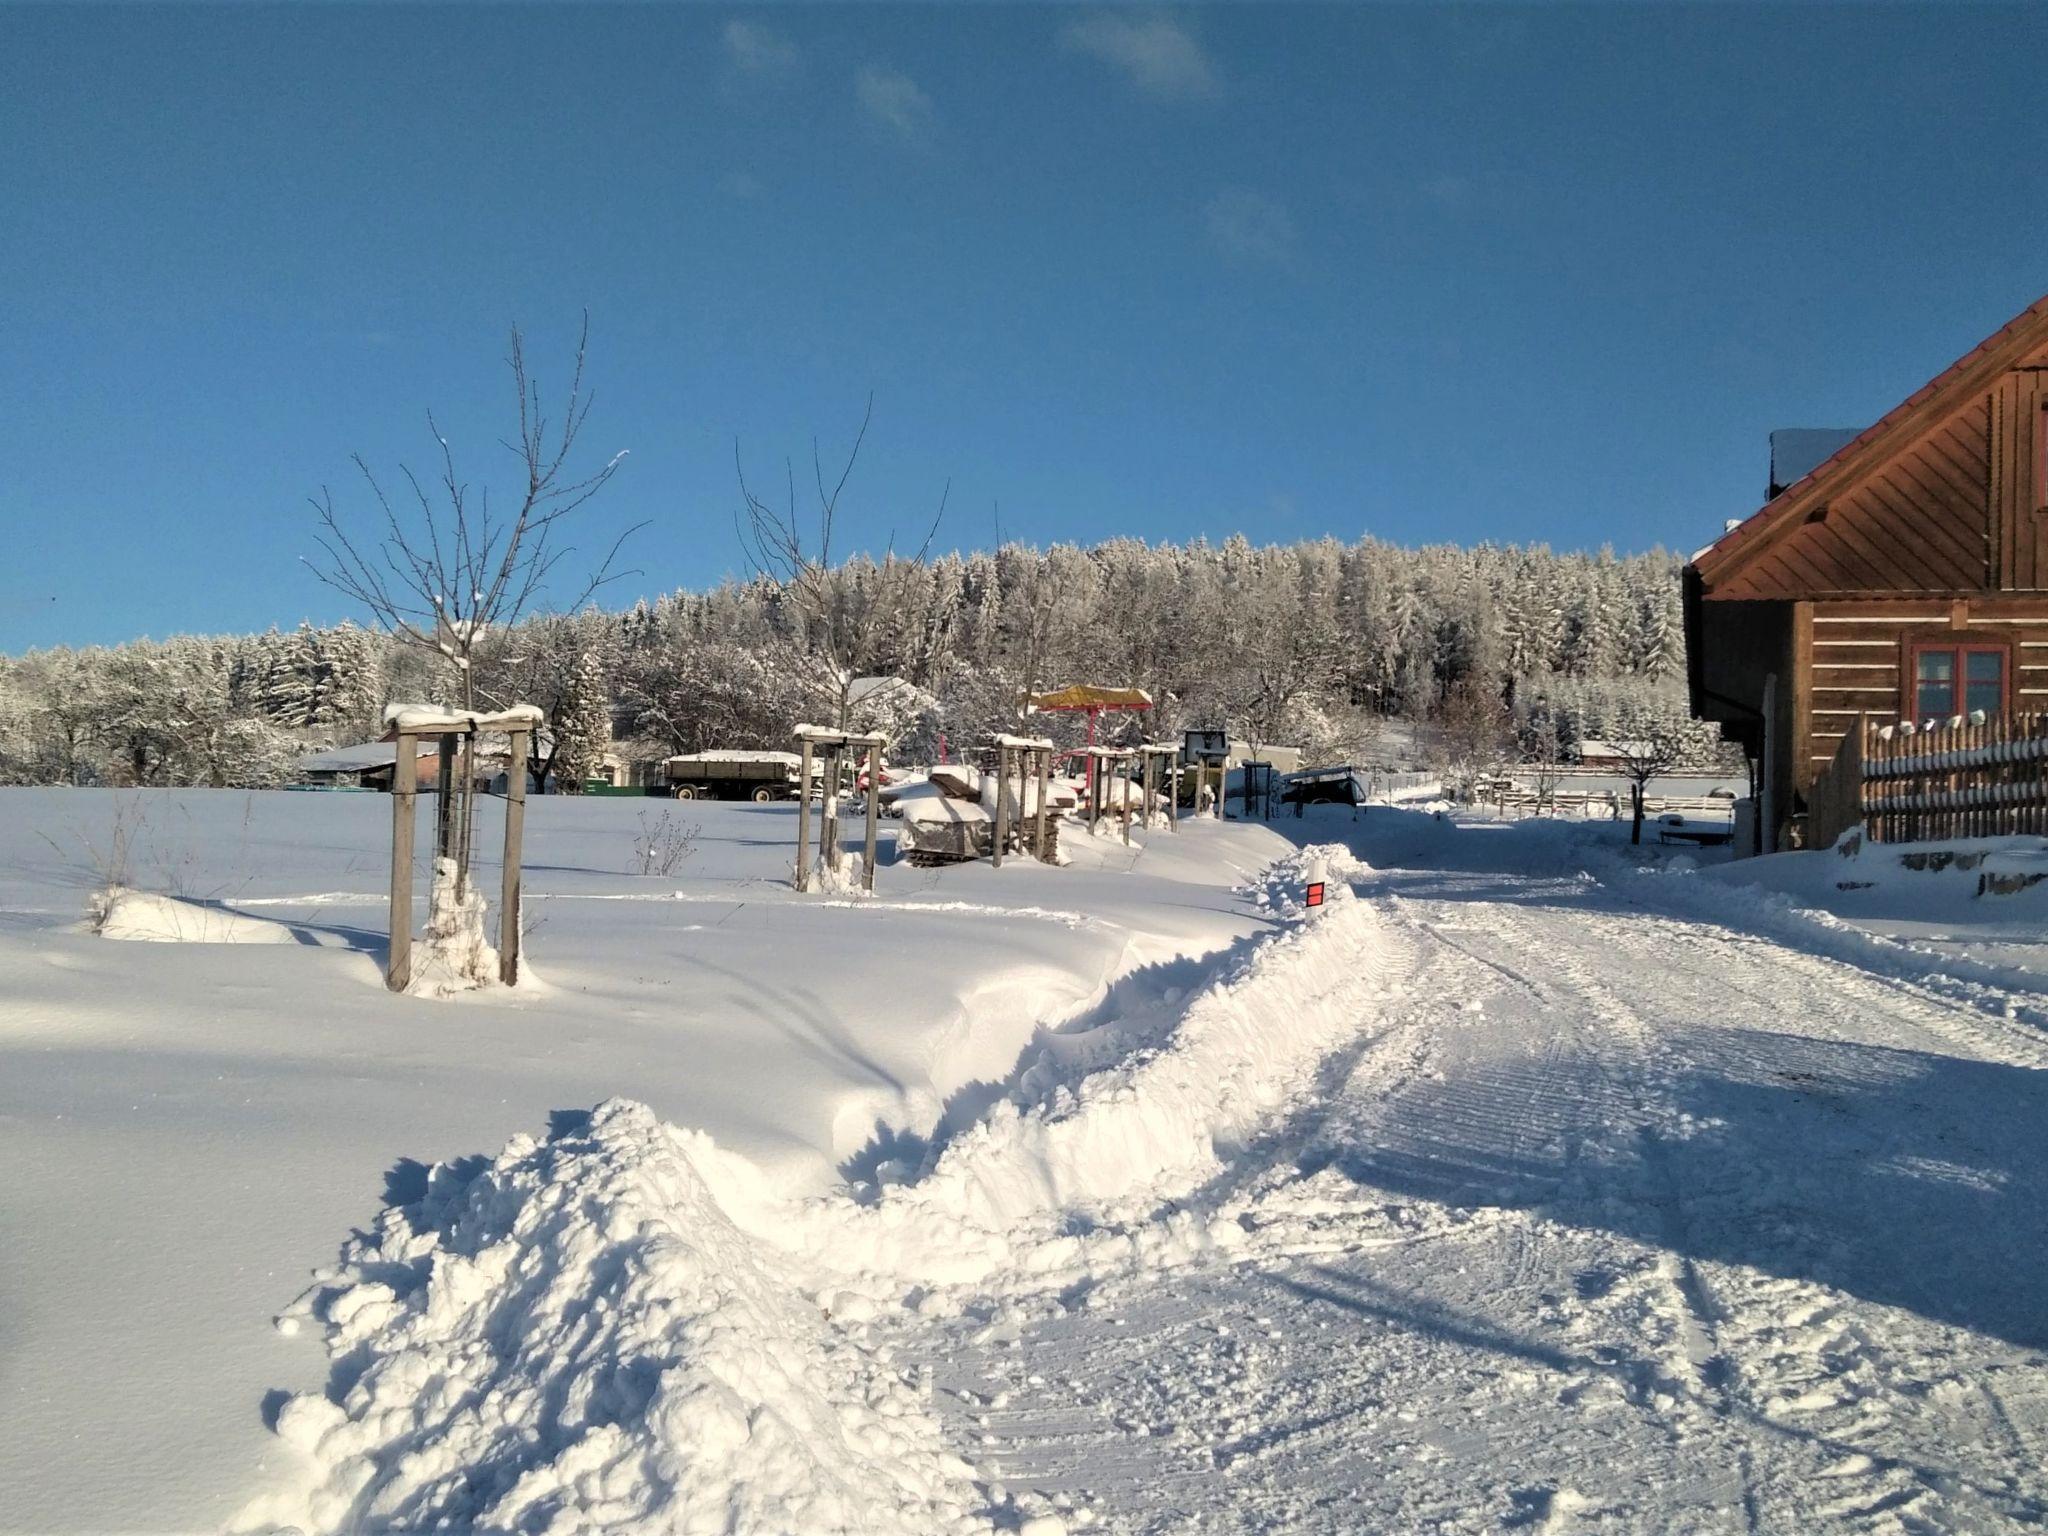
1535, 1183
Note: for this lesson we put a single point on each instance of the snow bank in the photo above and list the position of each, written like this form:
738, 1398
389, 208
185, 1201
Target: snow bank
626, 1329
155, 919
1121, 1143
580, 1338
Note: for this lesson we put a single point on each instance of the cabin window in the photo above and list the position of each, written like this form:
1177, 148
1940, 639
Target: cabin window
1958, 680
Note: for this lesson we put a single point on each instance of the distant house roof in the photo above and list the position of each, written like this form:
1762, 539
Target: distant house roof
1797, 452
364, 754
1620, 751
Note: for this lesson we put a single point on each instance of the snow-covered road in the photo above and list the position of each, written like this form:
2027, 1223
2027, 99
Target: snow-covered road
1613, 1221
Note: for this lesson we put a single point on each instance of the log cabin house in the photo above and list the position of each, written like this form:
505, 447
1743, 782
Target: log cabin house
1904, 577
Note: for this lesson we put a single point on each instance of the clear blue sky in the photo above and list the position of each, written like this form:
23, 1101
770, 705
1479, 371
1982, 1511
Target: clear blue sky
1512, 274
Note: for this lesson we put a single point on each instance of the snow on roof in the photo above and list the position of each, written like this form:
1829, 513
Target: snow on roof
1031, 743
354, 759
831, 735
1592, 747
435, 717
787, 759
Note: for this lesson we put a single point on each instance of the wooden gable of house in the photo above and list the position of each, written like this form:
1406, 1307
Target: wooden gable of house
1945, 496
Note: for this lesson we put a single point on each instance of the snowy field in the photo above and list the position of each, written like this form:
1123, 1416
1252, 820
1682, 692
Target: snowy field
1538, 1183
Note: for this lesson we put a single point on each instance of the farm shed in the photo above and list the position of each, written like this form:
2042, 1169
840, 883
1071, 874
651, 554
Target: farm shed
364, 765
1901, 578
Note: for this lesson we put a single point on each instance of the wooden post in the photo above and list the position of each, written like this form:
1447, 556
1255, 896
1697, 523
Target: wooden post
1127, 809
874, 810
444, 807
1002, 802
803, 820
1173, 793
1151, 768
515, 833
828, 812
404, 795
1044, 796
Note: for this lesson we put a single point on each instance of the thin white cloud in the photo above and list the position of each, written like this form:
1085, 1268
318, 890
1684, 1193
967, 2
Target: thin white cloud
892, 98
1249, 226
1162, 58
756, 49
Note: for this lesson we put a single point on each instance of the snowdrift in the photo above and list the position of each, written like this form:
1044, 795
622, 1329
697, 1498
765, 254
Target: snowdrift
579, 1338
626, 1329
146, 917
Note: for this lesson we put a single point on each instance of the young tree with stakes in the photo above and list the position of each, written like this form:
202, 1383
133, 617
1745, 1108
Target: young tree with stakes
450, 570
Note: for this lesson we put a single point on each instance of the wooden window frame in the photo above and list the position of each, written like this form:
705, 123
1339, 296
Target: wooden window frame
2041, 459
1962, 642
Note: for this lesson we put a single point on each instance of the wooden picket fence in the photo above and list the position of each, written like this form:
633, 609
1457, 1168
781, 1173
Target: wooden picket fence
1986, 778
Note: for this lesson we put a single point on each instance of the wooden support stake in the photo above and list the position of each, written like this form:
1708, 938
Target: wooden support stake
828, 812
515, 836
444, 798
1151, 771
1040, 847
1127, 808
404, 795
874, 811
1002, 803
803, 820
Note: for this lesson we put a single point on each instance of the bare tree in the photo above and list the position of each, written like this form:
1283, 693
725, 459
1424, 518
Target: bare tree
441, 570
845, 615
1652, 750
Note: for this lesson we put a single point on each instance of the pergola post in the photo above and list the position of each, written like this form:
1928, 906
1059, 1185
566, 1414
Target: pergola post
515, 834
404, 796
1173, 799
874, 808
1127, 809
1151, 769
803, 820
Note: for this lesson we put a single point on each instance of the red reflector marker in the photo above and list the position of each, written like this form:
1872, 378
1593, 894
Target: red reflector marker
1315, 893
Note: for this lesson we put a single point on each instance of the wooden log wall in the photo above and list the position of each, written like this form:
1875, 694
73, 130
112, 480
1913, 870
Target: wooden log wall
1856, 651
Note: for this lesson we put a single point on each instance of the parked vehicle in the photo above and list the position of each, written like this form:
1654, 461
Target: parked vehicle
757, 776
1341, 784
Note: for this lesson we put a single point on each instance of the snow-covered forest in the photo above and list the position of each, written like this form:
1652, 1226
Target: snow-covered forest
1493, 651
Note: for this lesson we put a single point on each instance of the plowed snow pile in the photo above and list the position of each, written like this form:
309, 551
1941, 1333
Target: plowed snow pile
623, 1329
580, 1339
